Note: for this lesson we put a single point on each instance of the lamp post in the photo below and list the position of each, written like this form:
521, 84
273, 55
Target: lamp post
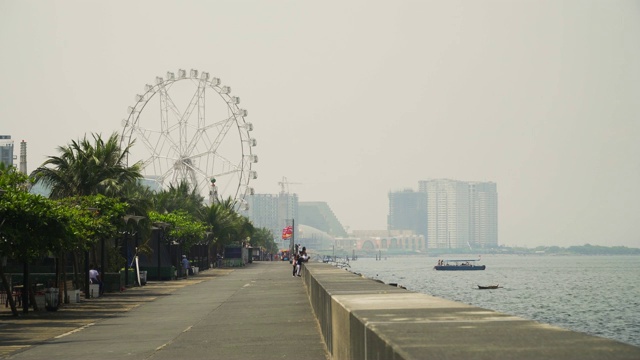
208, 233
137, 219
87, 294
163, 226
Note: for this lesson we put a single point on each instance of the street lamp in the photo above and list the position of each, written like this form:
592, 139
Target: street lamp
160, 225
209, 263
87, 293
137, 219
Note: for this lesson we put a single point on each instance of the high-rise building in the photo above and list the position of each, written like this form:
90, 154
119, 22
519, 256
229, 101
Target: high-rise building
287, 209
263, 212
483, 214
273, 212
408, 211
447, 213
6, 150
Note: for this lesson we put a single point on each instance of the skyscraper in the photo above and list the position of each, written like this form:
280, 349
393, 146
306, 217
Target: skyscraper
483, 214
6, 150
408, 211
273, 212
447, 213
263, 212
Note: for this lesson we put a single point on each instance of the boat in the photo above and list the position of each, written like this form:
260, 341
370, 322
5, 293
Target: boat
459, 264
486, 287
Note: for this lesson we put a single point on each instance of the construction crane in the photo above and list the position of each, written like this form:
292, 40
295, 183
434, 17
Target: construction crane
284, 185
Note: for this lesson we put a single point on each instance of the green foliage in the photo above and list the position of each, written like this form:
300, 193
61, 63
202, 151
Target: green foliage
263, 238
94, 217
586, 249
225, 223
183, 229
84, 168
181, 198
32, 225
92, 189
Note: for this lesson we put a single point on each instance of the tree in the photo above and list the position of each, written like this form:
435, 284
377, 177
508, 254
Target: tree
180, 197
222, 220
263, 238
31, 225
184, 231
84, 168
183, 228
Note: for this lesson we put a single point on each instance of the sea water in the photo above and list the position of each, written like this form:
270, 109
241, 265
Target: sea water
597, 295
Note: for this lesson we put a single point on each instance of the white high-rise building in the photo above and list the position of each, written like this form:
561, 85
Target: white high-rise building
447, 213
273, 212
263, 212
483, 214
461, 214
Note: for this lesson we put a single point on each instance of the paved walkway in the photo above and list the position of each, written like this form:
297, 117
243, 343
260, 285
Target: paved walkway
256, 312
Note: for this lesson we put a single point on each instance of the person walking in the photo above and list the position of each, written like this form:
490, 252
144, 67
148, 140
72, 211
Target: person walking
185, 266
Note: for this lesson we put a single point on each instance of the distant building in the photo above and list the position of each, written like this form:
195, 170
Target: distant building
370, 241
273, 212
314, 238
447, 213
6, 150
263, 212
483, 214
408, 211
316, 226
23, 157
151, 182
288, 210
319, 215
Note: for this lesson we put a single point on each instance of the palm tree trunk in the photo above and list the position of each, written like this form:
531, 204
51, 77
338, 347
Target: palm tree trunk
7, 290
76, 276
25, 289
63, 259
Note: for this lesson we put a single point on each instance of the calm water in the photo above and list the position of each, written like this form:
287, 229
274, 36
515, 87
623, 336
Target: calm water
598, 295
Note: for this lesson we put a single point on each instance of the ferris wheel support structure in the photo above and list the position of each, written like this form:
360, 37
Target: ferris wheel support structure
198, 135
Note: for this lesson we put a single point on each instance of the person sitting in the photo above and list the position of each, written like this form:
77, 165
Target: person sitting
94, 277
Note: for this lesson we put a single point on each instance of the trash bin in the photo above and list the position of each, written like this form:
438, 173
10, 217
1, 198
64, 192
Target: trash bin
51, 299
143, 277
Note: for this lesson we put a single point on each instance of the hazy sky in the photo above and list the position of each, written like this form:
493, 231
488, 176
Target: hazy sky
353, 99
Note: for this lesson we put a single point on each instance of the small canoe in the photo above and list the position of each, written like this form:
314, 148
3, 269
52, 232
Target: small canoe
488, 287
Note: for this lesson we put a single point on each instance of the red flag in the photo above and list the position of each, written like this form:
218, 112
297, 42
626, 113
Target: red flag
287, 232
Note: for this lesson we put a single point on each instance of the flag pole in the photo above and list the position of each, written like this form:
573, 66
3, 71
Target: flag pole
293, 237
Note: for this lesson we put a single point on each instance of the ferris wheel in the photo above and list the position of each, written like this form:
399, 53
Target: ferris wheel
188, 128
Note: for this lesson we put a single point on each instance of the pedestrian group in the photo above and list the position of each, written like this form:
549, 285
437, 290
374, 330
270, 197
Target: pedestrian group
300, 256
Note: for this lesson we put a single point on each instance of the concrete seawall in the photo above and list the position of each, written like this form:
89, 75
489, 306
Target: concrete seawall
365, 319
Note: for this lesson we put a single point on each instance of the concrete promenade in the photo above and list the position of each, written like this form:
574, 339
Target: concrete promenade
261, 312
256, 312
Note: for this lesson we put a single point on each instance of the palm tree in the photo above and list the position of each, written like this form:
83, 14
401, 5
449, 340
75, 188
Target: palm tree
84, 168
222, 219
180, 197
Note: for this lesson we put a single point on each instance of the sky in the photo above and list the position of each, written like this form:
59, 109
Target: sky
353, 99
